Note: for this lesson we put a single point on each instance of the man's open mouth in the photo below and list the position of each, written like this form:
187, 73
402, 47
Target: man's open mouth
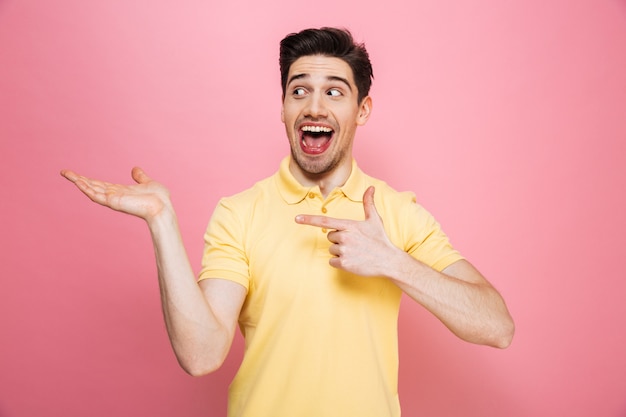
315, 139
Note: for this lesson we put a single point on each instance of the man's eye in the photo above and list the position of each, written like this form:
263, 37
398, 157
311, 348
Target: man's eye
334, 92
299, 91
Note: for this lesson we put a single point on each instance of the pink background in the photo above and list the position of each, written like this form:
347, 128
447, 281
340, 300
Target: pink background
508, 119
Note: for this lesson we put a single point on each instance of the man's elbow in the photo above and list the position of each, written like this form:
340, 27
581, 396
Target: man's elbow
504, 336
200, 367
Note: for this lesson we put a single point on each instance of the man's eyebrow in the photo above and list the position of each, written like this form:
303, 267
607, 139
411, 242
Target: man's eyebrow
329, 78
296, 77
341, 80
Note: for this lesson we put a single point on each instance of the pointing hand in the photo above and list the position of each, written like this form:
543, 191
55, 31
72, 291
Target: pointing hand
359, 247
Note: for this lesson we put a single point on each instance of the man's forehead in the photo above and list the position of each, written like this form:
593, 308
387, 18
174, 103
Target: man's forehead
320, 66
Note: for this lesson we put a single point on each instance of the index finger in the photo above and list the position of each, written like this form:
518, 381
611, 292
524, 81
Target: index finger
70, 175
323, 221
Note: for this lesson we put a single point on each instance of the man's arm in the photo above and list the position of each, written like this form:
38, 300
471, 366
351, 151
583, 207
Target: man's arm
459, 296
200, 319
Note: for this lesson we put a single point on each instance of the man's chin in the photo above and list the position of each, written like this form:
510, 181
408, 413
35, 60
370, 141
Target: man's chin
314, 165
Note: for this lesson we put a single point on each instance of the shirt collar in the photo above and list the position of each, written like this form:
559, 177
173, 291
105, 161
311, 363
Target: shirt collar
293, 192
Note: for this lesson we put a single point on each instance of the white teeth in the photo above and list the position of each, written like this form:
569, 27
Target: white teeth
316, 129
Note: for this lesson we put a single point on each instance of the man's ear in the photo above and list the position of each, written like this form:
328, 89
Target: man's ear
282, 108
365, 109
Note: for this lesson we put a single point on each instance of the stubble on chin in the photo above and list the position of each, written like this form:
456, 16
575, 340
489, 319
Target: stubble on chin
315, 168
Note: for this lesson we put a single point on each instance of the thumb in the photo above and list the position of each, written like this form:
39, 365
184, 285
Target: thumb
368, 204
140, 176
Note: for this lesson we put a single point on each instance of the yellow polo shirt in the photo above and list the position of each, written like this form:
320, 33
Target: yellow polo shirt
318, 341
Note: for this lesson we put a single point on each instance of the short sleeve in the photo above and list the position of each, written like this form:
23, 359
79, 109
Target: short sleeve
425, 240
224, 254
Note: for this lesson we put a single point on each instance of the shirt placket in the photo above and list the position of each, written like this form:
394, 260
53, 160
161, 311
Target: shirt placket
319, 206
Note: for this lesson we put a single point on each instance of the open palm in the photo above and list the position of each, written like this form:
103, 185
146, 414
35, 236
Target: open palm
146, 199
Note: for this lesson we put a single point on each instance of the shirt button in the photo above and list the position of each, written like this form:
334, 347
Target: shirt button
324, 230
311, 194
324, 210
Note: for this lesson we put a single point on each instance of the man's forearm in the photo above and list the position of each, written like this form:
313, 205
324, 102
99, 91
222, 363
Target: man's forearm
199, 340
459, 296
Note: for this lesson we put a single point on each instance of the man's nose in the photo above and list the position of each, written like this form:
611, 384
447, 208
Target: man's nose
316, 107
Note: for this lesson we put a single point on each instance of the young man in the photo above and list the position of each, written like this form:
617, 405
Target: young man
311, 262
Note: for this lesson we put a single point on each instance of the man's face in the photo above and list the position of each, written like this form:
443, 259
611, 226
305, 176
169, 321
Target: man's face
320, 112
